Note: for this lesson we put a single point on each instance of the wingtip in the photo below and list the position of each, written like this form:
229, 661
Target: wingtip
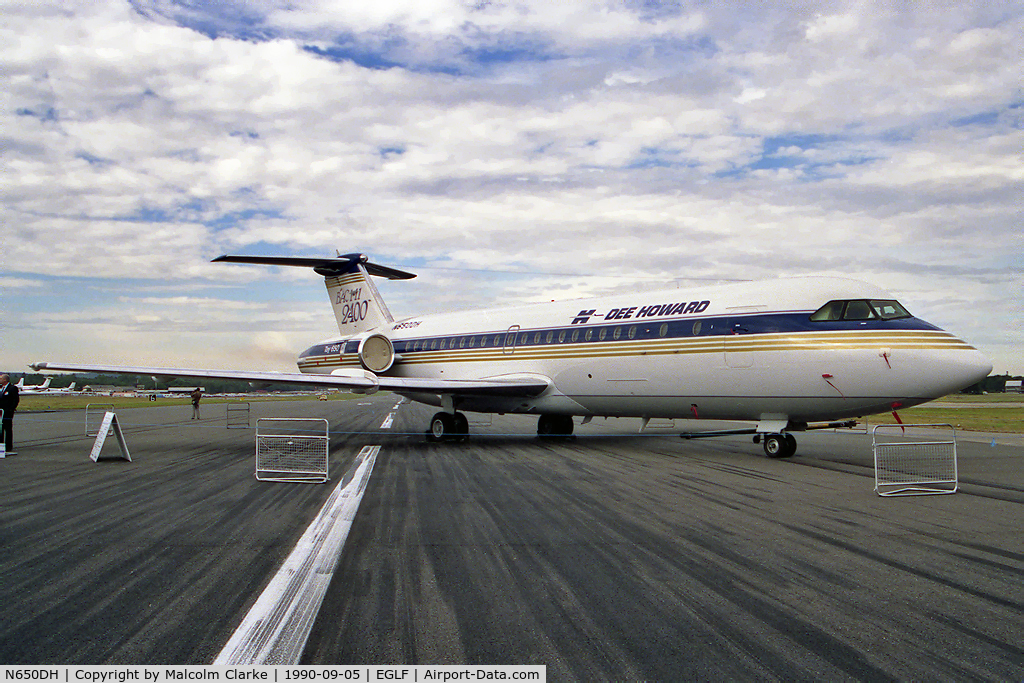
37, 366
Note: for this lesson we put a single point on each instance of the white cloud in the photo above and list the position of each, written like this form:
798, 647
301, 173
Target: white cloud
10, 283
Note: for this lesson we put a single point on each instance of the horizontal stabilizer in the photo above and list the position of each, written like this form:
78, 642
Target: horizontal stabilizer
324, 266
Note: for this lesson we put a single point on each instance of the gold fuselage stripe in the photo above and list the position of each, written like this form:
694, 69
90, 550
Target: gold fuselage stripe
785, 341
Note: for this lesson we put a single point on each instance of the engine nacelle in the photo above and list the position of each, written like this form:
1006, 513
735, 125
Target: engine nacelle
376, 353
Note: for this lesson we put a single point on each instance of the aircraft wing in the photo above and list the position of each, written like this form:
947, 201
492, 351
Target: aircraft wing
354, 380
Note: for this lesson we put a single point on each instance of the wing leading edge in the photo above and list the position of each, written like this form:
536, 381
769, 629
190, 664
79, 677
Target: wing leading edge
359, 381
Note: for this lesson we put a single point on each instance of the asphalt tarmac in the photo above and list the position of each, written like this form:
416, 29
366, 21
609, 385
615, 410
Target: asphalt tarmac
607, 556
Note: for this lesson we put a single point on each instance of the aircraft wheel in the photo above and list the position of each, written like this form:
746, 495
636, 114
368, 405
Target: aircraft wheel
565, 425
461, 426
779, 445
555, 425
442, 426
546, 425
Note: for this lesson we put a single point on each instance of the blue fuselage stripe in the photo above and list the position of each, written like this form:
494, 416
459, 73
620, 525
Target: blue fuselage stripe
689, 328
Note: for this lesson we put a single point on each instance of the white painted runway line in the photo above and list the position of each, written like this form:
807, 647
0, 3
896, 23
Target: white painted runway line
386, 424
276, 628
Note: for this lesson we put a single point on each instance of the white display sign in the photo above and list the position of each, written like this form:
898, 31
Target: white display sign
109, 424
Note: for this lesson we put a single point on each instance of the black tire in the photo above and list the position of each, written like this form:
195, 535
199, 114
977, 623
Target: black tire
460, 429
565, 425
546, 425
779, 445
555, 425
442, 426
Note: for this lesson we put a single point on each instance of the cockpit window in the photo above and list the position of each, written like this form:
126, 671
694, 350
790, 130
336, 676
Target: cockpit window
890, 310
833, 310
860, 309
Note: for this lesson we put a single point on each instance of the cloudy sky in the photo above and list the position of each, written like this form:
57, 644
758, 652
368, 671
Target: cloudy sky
506, 151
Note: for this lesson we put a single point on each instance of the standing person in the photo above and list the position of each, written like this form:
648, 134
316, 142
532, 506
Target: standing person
8, 404
196, 395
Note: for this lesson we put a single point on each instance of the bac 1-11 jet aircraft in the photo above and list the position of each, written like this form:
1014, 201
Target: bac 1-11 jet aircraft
44, 388
28, 389
785, 354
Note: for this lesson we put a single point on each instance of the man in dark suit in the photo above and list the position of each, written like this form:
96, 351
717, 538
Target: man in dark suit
8, 404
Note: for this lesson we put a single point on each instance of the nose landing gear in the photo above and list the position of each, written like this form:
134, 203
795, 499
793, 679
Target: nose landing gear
779, 445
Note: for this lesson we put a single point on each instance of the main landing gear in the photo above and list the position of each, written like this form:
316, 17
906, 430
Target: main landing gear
554, 425
778, 445
448, 426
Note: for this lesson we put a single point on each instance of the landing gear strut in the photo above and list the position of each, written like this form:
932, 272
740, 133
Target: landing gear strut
779, 445
448, 426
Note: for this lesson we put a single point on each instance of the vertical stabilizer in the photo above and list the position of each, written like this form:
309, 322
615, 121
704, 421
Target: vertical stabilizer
357, 304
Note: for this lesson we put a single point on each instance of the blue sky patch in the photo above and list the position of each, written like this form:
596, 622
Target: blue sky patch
368, 59
41, 113
233, 218
988, 118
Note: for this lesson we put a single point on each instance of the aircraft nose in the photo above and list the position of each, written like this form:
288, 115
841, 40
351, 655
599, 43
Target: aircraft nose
961, 369
981, 367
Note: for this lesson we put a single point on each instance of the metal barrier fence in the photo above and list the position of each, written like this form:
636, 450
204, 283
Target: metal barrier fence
238, 415
917, 464
292, 449
94, 413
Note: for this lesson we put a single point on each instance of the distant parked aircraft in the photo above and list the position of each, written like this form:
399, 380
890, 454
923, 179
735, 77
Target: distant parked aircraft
43, 388
32, 388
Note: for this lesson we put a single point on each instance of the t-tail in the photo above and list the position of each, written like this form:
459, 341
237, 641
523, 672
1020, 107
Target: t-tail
40, 387
357, 304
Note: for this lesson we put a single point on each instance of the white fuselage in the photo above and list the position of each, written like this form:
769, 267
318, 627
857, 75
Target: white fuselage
746, 351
